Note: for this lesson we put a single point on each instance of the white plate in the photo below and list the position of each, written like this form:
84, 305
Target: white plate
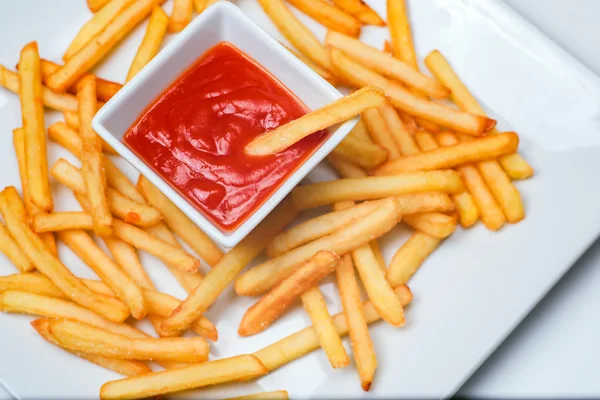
468, 296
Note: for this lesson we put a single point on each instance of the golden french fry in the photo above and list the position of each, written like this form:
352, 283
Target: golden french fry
481, 149
50, 266
340, 110
80, 337
273, 304
95, 50
155, 33
341, 164
329, 16
181, 15
237, 368
30, 283
13, 252
72, 120
92, 159
426, 141
295, 31
468, 213
90, 253
304, 341
361, 11
228, 267
95, 25
386, 65
399, 25
360, 131
316, 308
275, 395
96, 5
515, 165
177, 221
261, 278
380, 132
374, 244
375, 187
361, 152
201, 5
504, 191
406, 101
404, 140
410, 256
32, 111
325, 74
435, 224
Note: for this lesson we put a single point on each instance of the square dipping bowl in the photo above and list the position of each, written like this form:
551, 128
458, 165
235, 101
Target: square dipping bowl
222, 22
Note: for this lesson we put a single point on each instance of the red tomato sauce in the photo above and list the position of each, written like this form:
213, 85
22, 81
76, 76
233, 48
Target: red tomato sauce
194, 134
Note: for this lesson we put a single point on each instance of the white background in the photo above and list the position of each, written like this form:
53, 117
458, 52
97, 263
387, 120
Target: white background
554, 351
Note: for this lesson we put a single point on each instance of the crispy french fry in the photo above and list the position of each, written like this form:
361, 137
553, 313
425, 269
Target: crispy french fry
155, 33
95, 50
325, 74
261, 278
468, 213
30, 283
399, 26
485, 148
380, 132
228, 267
361, 152
316, 308
180, 223
273, 304
341, 164
201, 5
32, 112
92, 159
80, 337
95, 25
275, 395
360, 131
515, 165
237, 368
378, 255
410, 256
96, 5
294, 31
57, 101
504, 191
329, 16
72, 120
304, 341
435, 224
386, 65
340, 110
372, 188
122, 207
426, 141
181, 15
123, 286
13, 252
361, 11
404, 140
50, 266
402, 99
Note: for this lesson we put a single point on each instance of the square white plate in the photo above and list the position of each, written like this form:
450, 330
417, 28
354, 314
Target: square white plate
468, 296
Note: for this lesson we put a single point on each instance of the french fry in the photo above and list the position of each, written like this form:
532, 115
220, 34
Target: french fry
275, 395
329, 16
435, 224
361, 152
122, 207
380, 132
96, 5
201, 5
340, 110
485, 148
325, 74
32, 112
177, 221
228, 267
360, 131
72, 120
57, 101
361, 11
515, 165
316, 308
410, 256
80, 337
399, 26
339, 163
273, 304
31, 283
50, 266
95, 25
123, 286
378, 255
181, 15
92, 159
295, 31
13, 252
386, 65
95, 50
504, 191
155, 33
261, 278
404, 140
304, 341
375, 187
402, 99
237, 368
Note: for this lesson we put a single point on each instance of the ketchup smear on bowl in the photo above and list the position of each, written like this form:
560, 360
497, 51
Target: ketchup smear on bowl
194, 134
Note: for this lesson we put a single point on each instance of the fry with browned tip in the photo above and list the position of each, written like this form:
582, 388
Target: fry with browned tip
329, 16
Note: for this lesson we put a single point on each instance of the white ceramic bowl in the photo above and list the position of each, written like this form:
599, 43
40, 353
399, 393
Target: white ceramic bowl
221, 22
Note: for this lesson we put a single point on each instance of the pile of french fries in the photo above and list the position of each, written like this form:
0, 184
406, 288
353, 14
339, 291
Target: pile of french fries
411, 159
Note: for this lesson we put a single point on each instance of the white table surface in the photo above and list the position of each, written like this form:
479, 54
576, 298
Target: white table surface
553, 352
